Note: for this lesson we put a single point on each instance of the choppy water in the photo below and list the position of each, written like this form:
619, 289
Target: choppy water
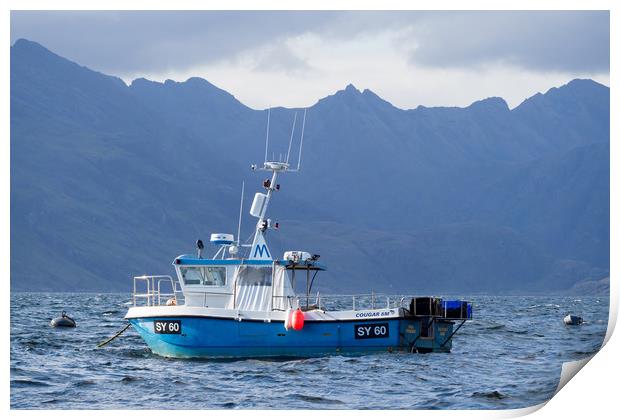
509, 357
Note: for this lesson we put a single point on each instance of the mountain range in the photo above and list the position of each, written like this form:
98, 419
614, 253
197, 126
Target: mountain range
110, 180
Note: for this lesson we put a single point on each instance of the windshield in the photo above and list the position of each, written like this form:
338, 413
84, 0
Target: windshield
204, 276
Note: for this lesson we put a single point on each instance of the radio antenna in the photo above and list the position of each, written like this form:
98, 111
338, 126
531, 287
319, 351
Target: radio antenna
291, 140
301, 143
240, 213
267, 137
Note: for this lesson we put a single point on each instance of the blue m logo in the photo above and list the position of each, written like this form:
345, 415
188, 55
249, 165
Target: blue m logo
260, 249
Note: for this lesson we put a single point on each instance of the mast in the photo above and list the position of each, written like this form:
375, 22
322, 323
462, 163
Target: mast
260, 205
259, 209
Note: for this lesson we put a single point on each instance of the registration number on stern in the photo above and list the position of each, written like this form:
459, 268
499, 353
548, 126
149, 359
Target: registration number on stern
363, 331
167, 327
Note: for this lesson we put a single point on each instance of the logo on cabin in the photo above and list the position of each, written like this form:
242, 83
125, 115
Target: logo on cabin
261, 249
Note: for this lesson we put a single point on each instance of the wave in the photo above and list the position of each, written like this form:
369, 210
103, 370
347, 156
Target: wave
494, 395
315, 399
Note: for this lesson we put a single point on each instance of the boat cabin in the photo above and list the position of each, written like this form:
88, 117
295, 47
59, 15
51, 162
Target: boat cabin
245, 284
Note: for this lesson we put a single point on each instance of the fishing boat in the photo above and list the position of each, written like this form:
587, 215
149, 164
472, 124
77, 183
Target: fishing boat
243, 301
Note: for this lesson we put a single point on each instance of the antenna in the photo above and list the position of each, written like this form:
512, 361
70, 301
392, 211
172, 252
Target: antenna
240, 213
267, 138
261, 201
301, 143
281, 165
291, 140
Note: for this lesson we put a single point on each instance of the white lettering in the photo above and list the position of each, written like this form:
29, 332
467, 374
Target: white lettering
373, 314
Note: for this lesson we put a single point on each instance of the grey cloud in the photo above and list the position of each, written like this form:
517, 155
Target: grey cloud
279, 57
572, 41
153, 41
171, 41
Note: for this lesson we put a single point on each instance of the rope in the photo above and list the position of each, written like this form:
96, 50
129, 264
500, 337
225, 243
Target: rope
114, 336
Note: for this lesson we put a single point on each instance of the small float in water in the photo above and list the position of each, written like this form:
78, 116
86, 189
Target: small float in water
64, 321
573, 320
243, 302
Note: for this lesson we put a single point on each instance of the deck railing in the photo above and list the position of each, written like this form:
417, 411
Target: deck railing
344, 302
153, 295
359, 301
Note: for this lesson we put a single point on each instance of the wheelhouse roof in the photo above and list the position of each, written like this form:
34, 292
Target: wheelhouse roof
192, 260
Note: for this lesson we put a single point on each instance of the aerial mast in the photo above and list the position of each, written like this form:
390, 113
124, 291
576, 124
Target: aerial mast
261, 201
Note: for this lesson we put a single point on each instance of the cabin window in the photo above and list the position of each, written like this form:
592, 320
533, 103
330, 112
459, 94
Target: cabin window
204, 276
191, 275
214, 276
254, 276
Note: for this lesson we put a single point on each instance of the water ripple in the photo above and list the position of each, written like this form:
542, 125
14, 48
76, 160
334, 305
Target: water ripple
510, 356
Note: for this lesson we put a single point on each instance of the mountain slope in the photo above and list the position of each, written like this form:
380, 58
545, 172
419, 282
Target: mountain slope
109, 181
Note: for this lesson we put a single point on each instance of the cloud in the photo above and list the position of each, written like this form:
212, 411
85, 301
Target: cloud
156, 41
294, 58
147, 41
280, 58
541, 40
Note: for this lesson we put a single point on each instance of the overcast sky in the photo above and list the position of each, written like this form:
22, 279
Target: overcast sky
295, 58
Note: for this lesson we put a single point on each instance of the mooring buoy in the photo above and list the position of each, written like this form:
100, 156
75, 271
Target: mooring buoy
573, 320
63, 320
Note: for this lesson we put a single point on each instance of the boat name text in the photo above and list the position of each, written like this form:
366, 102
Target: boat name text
373, 314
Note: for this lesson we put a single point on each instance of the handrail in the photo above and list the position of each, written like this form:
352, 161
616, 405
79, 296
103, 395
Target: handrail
153, 292
391, 301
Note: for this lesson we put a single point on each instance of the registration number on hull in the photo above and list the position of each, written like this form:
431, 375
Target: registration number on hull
380, 330
167, 327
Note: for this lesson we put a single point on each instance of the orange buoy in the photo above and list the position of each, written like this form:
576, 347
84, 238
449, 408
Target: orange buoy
297, 320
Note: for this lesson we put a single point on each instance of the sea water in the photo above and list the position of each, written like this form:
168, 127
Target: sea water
509, 356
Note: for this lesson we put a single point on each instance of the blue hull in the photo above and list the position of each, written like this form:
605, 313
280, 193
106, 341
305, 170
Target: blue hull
217, 337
